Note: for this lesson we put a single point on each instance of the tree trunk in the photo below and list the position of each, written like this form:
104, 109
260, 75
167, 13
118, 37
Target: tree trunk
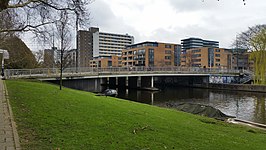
61, 71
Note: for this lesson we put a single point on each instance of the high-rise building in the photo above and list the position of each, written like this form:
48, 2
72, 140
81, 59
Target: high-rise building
96, 44
150, 54
85, 46
197, 42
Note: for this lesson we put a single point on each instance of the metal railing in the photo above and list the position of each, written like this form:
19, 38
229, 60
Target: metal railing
55, 72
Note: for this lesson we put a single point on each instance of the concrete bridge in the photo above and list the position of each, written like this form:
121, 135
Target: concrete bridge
44, 73
92, 79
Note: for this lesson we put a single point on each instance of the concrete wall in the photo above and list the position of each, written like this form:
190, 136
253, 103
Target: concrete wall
180, 81
239, 87
91, 85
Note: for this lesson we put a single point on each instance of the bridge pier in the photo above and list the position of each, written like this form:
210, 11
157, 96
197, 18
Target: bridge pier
133, 82
122, 82
147, 82
104, 81
97, 85
112, 82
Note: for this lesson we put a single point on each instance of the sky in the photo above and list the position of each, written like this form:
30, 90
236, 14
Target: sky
172, 20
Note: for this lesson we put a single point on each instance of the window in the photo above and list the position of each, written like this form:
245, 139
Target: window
109, 63
151, 57
217, 50
141, 52
217, 60
196, 51
196, 65
168, 51
217, 55
196, 60
167, 57
167, 46
196, 55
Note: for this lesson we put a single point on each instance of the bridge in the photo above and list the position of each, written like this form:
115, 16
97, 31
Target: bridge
45, 73
92, 79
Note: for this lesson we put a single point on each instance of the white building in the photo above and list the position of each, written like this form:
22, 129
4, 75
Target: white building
96, 44
108, 44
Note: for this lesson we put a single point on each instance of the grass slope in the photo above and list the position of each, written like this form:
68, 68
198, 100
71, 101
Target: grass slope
69, 119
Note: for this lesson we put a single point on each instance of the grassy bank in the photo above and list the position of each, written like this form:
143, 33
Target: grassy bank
48, 119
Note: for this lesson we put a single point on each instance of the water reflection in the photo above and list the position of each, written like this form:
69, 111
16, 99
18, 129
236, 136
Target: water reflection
244, 105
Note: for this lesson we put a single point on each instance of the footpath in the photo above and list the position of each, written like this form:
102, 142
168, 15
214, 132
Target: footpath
9, 139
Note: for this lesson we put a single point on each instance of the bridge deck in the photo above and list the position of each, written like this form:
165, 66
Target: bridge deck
115, 72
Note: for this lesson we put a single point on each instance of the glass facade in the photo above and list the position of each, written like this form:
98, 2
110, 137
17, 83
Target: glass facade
197, 42
210, 57
151, 57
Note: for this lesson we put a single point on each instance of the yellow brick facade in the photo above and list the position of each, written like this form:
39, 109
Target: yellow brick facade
149, 54
114, 61
205, 57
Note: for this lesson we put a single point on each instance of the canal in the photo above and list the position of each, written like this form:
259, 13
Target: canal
243, 105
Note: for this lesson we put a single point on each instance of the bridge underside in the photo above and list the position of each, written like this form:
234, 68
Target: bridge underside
144, 82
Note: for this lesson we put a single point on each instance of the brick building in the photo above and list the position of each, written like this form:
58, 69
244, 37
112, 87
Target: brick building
206, 57
151, 54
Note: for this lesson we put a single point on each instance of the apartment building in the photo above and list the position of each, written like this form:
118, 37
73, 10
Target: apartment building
151, 54
95, 44
207, 57
241, 60
113, 61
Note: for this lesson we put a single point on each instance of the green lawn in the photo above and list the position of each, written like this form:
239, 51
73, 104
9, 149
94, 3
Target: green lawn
48, 118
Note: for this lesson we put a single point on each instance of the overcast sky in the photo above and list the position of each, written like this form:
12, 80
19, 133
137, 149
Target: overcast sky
173, 20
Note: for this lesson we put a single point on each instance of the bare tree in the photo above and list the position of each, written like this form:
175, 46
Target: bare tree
44, 17
64, 38
37, 15
188, 58
245, 40
254, 39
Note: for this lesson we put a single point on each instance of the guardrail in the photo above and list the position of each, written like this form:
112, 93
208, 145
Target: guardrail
55, 72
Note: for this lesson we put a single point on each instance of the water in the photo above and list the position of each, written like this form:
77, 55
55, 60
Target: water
243, 105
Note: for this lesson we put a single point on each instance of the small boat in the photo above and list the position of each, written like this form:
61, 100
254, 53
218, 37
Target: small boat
110, 92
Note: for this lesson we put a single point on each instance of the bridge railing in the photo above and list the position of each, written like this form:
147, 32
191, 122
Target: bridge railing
86, 71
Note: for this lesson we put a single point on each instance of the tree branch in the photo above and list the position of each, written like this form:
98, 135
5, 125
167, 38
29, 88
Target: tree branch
19, 5
25, 28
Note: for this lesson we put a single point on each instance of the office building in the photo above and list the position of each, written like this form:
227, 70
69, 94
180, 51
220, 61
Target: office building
95, 44
197, 42
150, 54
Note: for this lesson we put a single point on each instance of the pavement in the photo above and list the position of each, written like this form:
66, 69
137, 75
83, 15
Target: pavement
9, 139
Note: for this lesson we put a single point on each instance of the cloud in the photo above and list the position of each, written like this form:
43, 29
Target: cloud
173, 20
